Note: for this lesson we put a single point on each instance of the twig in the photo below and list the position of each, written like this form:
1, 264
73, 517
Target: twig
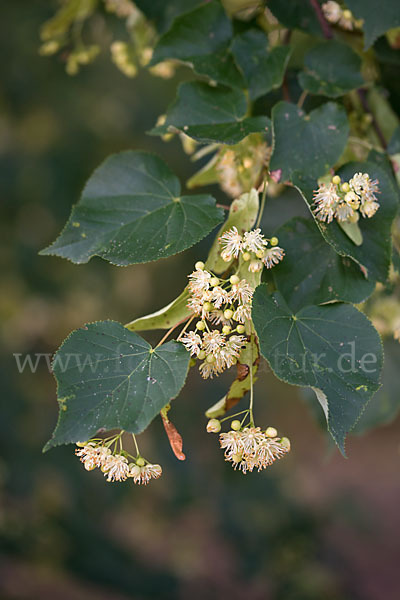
326, 29
301, 99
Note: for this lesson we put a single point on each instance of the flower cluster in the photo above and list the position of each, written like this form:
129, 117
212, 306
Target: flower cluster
223, 303
251, 448
343, 200
342, 17
253, 248
95, 454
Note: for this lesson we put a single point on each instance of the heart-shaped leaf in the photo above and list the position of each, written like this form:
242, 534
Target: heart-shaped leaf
296, 14
333, 349
331, 69
210, 114
309, 144
312, 272
374, 254
109, 377
131, 212
263, 68
377, 18
200, 38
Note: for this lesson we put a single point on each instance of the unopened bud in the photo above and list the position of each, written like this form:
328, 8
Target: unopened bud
234, 279
213, 426
199, 266
236, 425
271, 432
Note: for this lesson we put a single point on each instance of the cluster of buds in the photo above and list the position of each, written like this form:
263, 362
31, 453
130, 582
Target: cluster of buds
218, 303
344, 201
115, 466
343, 17
252, 246
249, 448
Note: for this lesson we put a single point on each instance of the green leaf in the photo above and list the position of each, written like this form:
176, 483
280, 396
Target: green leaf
109, 377
163, 13
131, 212
385, 405
331, 69
374, 254
333, 349
242, 214
210, 114
296, 14
307, 143
165, 318
250, 355
201, 38
312, 272
263, 69
377, 18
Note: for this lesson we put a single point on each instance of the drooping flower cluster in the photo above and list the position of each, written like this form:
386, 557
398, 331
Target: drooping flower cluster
218, 303
253, 248
345, 201
344, 18
251, 448
95, 454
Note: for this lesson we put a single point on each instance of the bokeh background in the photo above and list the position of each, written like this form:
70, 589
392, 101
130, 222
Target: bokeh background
314, 526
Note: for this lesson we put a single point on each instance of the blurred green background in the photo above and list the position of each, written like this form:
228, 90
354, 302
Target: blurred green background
314, 526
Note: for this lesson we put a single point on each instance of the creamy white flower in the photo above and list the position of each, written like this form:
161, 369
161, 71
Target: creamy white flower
273, 256
149, 472
217, 317
219, 296
212, 341
93, 455
208, 370
242, 313
116, 468
231, 442
236, 342
231, 242
325, 202
251, 448
254, 240
343, 212
195, 304
199, 281
242, 292
251, 438
361, 184
369, 208
192, 342
227, 357
332, 11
